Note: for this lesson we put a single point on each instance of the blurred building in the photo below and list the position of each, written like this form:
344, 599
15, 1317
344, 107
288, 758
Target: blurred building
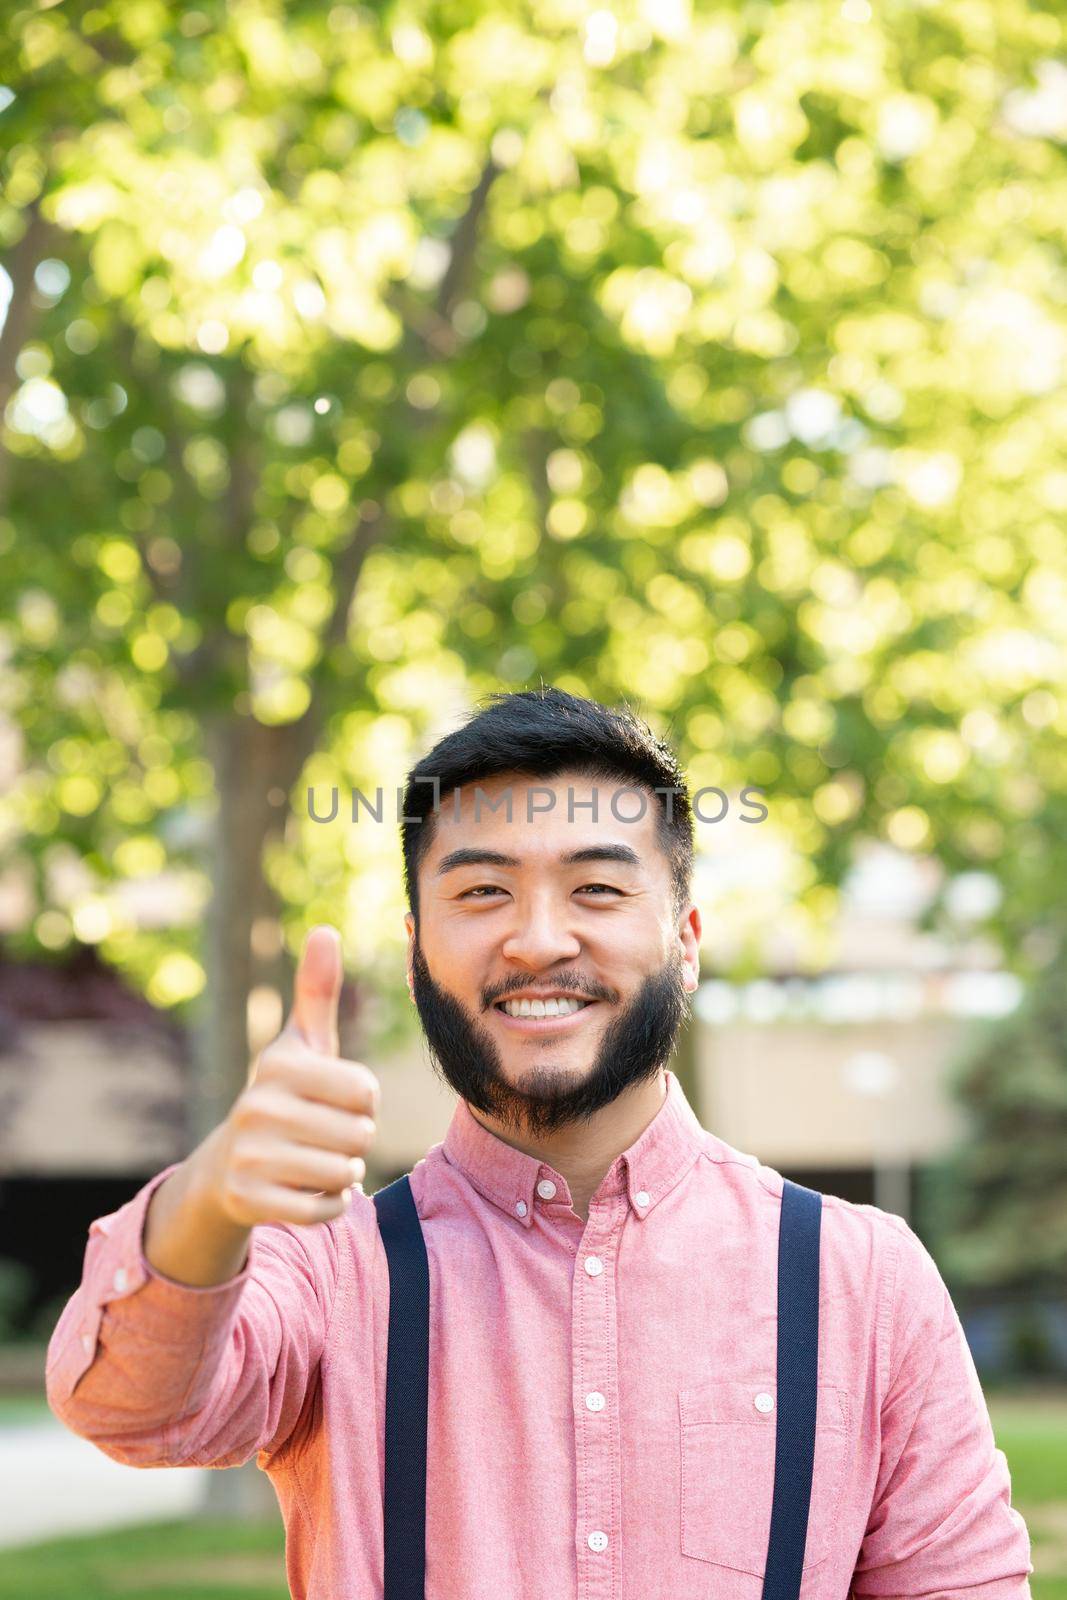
93, 1098
841, 1079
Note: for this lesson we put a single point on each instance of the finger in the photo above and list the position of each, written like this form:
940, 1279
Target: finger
284, 1115
333, 1080
300, 1166
317, 989
279, 1204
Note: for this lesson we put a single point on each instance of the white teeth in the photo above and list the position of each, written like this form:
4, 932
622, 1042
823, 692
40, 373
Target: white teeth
542, 1008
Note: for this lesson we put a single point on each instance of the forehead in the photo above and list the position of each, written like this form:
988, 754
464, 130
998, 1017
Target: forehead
549, 818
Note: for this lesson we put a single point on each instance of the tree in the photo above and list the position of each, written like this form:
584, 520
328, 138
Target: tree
355, 364
1000, 1201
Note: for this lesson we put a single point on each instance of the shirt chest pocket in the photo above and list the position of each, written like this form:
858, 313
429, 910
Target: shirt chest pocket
727, 1467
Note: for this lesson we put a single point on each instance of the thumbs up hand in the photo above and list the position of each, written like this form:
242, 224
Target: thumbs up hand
294, 1140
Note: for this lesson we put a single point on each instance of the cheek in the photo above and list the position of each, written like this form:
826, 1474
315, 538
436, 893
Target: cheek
454, 953
630, 951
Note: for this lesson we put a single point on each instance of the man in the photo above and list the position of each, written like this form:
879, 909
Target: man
603, 1271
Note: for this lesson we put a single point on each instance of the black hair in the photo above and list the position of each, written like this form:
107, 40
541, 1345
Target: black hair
541, 733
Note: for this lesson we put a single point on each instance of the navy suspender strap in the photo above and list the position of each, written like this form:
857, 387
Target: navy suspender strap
407, 1387
798, 1366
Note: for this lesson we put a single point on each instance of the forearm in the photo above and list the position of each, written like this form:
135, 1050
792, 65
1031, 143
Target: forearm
187, 1237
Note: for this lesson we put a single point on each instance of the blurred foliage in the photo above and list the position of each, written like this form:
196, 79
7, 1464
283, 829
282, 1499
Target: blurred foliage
997, 1205
360, 359
16, 1289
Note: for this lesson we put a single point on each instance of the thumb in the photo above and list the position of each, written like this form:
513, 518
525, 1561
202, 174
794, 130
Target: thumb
317, 989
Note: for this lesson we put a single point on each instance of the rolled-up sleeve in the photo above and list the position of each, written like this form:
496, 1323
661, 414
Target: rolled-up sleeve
158, 1373
942, 1523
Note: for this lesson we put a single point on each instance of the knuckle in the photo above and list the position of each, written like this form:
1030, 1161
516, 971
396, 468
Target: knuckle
355, 1142
248, 1158
268, 1059
362, 1132
233, 1197
239, 1158
253, 1109
239, 1109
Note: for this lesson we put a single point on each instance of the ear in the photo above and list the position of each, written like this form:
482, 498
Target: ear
689, 938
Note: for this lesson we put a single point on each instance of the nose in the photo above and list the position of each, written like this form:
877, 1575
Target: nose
539, 936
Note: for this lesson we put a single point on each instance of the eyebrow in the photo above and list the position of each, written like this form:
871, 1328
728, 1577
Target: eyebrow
472, 856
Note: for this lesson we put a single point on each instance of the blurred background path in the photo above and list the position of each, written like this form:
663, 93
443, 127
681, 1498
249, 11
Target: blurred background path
55, 1483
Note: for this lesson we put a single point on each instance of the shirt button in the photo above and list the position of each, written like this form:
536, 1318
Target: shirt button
595, 1401
598, 1540
119, 1280
764, 1402
642, 1197
594, 1266
546, 1188
521, 1208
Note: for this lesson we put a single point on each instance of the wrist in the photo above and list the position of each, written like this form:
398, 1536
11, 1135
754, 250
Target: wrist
201, 1183
187, 1235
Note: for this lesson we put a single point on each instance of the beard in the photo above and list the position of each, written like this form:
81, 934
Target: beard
635, 1045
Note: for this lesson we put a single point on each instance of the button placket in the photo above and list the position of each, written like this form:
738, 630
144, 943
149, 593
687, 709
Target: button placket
596, 1393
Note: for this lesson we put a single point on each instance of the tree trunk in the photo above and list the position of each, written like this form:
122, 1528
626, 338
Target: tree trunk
244, 754
238, 748
21, 263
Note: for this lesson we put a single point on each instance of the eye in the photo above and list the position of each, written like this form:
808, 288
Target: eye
491, 887
588, 887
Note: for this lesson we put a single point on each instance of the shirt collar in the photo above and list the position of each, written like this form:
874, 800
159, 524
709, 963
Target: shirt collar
517, 1182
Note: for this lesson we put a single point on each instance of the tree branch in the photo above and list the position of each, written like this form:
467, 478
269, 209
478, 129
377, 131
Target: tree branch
219, 646
21, 264
433, 328
179, 590
464, 244
429, 327
301, 736
426, 327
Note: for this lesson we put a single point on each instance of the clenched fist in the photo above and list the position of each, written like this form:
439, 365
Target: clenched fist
294, 1141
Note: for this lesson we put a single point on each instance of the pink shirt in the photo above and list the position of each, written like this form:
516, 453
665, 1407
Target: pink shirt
586, 1379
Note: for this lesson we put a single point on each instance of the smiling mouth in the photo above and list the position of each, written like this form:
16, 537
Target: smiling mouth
567, 1007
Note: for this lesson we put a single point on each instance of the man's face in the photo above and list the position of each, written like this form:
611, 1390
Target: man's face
524, 920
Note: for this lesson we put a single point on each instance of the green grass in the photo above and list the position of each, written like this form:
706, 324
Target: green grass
1031, 1429
18, 1409
1032, 1432
229, 1561
157, 1561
